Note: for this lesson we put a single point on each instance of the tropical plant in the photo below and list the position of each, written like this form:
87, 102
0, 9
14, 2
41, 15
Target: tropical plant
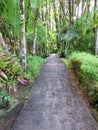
10, 73
11, 21
34, 65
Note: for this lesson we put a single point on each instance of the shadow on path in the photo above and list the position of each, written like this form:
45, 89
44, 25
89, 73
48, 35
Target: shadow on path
53, 104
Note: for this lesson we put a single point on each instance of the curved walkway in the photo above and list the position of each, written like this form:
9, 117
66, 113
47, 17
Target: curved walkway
53, 104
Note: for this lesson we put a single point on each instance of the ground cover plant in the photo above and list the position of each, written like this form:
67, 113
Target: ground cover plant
11, 73
85, 67
34, 65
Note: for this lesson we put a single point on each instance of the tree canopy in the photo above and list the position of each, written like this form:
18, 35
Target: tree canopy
50, 25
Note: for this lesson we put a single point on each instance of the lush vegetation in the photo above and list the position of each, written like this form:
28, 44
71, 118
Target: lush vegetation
48, 26
34, 64
85, 67
11, 74
31, 29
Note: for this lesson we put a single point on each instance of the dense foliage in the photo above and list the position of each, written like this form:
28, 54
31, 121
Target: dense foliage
34, 65
40, 27
86, 68
50, 26
11, 74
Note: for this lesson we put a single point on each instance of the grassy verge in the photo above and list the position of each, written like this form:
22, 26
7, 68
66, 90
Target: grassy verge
66, 62
85, 66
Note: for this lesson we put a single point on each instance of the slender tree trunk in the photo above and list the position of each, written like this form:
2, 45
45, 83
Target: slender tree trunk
42, 14
77, 12
96, 32
22, 12
35, 32
88, 5
82, 1
72, 11
3, 42
60, 14
62, 6
96, 46
49, 18
27, 15
70, 20
56, 23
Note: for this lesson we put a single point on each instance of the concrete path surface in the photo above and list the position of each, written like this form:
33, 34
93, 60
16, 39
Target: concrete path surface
54, 104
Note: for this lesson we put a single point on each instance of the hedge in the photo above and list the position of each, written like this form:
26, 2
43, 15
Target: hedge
85, 67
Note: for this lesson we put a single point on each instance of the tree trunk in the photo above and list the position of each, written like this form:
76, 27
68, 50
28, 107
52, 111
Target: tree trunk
2, 41
27, 14
70, 11
56, 23
82, 4
62, 6
96, 32
23, 40
35, 32
96, 48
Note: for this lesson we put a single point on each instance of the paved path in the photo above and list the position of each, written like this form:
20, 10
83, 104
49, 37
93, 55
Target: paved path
53, 104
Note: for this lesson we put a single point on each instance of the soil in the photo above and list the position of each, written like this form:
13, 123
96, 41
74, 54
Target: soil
82, 93
50, 107
17, 102
75, 83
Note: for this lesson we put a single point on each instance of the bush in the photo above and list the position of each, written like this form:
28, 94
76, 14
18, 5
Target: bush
86, 68
11, 74
10, 71
34, 65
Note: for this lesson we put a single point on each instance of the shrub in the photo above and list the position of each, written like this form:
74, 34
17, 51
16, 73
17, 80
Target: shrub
34, 65
10, 71
86, 68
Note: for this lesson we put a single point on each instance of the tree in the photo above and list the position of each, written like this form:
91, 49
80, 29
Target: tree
35, 31
96, 29
10, 23
59, 20
23, 40
56, 24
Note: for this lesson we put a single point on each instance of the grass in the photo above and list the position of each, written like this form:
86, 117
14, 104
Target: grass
66, 62
85, 66
34, 65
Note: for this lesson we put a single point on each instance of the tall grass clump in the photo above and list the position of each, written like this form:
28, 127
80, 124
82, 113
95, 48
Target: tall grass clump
34, 65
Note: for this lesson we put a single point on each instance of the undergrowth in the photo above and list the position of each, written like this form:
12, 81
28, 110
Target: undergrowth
85, 67
11, 73
34, 65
